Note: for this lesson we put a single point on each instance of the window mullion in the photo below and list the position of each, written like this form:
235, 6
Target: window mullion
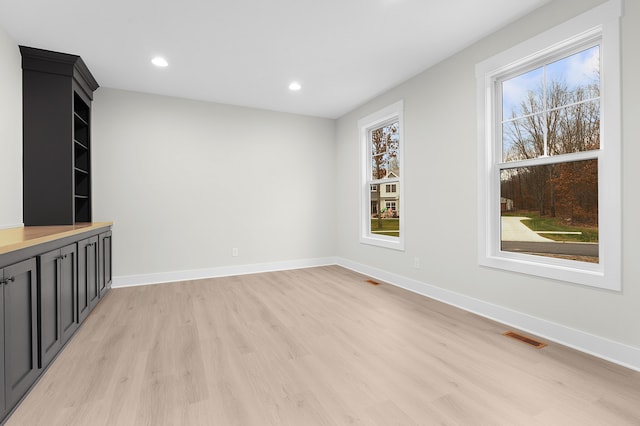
553, 159
545, 113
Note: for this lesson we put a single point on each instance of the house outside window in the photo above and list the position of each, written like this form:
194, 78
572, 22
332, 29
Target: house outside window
550, 144
382, 215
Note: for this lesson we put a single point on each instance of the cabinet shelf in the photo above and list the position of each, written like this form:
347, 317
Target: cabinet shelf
80, 145
80, 118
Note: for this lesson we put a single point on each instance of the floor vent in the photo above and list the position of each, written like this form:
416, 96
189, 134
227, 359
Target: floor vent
527, 340
372, 282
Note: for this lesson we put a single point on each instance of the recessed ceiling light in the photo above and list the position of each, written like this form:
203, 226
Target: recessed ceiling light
159, 62
295, 86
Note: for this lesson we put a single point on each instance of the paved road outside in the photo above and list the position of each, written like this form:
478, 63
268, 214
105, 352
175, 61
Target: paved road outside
558, 247
517, 237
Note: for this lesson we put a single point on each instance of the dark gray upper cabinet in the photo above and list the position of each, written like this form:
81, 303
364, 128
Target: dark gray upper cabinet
57, 93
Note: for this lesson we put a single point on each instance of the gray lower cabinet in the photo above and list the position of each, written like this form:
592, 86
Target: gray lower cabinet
104, 265
3, 404
58, 289
46, 292
19, 315
87, 276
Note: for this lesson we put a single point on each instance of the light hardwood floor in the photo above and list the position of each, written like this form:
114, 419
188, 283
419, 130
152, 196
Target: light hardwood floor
315, 346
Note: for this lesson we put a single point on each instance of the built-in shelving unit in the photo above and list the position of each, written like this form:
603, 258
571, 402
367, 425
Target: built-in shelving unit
57, 93
82, 160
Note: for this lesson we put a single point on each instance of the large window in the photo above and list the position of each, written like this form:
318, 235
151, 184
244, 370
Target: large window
550, 144
382, 214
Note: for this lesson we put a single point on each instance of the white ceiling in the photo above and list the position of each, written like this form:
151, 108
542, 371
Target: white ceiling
246, 52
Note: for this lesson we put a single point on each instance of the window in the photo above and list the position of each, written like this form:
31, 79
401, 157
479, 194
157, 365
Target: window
549, 145
382, 214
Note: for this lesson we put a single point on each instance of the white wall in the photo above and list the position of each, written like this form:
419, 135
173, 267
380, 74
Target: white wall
10, 132
441, 191
187, 181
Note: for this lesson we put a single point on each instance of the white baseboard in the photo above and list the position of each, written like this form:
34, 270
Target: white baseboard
625, 355
15, 225
223, 271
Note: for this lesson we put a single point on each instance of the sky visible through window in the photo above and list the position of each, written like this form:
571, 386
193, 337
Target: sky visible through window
578, 70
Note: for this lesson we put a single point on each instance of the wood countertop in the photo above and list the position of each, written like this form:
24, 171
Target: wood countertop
18, 238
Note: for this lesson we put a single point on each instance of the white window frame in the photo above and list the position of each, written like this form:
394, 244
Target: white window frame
601, 22
366, 124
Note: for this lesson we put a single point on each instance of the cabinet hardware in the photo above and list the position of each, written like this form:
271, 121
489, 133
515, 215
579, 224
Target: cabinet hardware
9, 280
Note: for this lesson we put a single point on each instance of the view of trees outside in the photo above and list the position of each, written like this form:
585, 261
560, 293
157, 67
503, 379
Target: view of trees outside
550, 111
385, 169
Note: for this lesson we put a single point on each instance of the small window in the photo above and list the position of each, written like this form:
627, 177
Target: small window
550, 134
381, 151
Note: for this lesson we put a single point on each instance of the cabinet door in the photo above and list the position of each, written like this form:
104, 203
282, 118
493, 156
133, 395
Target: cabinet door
20, 330
68, 292
49, 297
104, 264
87, 276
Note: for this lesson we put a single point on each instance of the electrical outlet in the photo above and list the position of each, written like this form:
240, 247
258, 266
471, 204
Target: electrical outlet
416, 262
234, 252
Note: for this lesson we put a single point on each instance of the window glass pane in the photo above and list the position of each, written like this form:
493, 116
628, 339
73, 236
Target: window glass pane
575, 128
554, 109
519, 94
384, 151
551, 210
575, 78
385, 214
523, 138
378, 167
